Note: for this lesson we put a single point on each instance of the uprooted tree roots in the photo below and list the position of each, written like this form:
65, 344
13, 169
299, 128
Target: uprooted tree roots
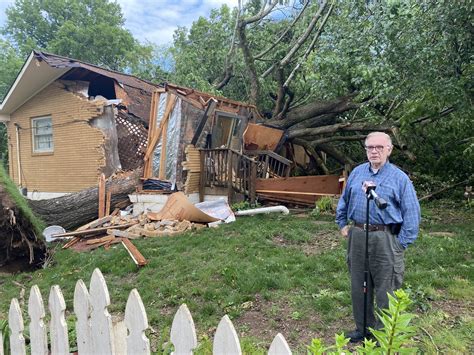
17, 235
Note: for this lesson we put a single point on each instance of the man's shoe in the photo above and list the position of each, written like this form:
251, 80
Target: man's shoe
356, 336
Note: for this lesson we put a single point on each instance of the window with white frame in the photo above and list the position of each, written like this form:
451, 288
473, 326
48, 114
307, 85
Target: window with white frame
42, 134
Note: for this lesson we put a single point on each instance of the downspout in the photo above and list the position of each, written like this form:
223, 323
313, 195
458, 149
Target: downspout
18, 152
255, 211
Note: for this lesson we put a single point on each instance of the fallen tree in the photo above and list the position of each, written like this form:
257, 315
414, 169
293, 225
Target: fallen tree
76, 209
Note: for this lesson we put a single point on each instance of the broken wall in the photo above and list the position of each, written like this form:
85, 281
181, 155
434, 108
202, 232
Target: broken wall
78, 151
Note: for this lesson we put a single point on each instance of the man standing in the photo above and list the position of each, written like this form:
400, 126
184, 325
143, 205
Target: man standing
391, 230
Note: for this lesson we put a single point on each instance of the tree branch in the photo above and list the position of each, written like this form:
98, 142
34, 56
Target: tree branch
309, 49
261, 54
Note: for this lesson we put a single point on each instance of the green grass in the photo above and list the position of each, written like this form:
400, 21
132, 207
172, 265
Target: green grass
277, 263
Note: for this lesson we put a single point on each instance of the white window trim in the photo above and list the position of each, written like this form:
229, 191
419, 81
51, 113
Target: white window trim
34, 135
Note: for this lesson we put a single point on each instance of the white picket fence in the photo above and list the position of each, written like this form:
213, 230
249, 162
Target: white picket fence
96, 333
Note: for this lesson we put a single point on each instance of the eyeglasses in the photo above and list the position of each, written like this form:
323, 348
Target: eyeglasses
370, 148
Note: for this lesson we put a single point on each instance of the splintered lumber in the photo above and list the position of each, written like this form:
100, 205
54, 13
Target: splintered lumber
76, 209
71, 242
135, 254
95, 223
101, 212
107, 202
91, 231
294, 193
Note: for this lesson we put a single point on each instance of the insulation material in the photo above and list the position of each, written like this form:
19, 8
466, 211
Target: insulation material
157, 152
106, 123
172, 144
173, 134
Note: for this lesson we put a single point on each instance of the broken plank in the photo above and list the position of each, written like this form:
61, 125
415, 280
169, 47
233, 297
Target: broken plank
91, 231
71, 242
95, 223
294, 193
101, 212
135, 254
107, 203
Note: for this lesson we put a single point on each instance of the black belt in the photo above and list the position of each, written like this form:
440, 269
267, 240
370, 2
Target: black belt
373, 227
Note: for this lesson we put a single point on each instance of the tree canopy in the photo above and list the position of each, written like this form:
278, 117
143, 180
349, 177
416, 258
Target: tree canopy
326, 71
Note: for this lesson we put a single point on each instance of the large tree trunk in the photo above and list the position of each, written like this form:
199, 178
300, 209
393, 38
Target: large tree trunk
76, 209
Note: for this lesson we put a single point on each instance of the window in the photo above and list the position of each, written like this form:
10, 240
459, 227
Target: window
42, 135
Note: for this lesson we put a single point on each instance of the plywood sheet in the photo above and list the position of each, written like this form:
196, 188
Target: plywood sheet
258, 137
325, 184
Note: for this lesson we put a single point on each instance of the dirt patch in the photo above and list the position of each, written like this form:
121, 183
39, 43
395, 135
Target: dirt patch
318, 244
322, 242
264, 320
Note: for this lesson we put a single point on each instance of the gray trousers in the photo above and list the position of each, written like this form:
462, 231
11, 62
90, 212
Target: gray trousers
386, 268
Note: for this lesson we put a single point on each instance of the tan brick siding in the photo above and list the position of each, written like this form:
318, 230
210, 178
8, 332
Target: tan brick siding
78, 153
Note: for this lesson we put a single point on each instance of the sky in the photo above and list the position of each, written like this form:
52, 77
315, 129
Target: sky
155, 20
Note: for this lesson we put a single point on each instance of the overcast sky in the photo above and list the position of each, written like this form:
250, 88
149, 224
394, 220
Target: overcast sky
155, 20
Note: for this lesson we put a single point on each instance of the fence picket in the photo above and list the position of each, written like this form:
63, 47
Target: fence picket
1, 343
279, 346
137, 322
82, 309
101, 320
226, 341
183, 332
58, 327
15, 322
96, 334
120, 338
38, 336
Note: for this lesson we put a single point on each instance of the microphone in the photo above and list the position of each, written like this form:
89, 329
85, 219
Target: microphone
369, 187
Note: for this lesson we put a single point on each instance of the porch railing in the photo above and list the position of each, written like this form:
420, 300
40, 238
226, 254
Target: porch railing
238, 172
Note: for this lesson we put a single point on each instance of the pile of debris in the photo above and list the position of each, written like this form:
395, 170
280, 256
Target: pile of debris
115, 228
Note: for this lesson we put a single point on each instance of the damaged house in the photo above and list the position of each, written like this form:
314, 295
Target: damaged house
68, 122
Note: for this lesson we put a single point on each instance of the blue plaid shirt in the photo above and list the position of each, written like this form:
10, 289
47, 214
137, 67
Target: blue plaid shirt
394, 186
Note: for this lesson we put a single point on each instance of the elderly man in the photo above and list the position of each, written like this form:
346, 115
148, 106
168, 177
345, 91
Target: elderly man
391, 230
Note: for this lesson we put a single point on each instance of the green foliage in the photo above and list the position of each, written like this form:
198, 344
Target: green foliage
5, 333
92, 31
324, 205
20, 202
244, 205
393, 338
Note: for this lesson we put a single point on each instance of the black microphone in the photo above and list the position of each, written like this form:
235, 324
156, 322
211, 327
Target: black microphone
371, 194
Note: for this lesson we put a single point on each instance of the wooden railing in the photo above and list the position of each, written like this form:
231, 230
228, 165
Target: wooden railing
230, 169
238, 172
270, 164
96, 333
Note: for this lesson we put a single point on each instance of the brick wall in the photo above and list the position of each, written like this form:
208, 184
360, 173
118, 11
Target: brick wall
78, 153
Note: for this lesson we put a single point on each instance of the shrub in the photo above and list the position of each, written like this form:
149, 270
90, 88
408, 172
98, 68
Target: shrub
393, 338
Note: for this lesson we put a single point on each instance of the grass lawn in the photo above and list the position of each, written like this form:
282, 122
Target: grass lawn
274, 274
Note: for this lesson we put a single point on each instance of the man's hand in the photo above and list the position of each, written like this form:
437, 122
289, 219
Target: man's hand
345, 231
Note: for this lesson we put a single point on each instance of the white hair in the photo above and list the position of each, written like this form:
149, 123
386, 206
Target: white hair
383, 134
